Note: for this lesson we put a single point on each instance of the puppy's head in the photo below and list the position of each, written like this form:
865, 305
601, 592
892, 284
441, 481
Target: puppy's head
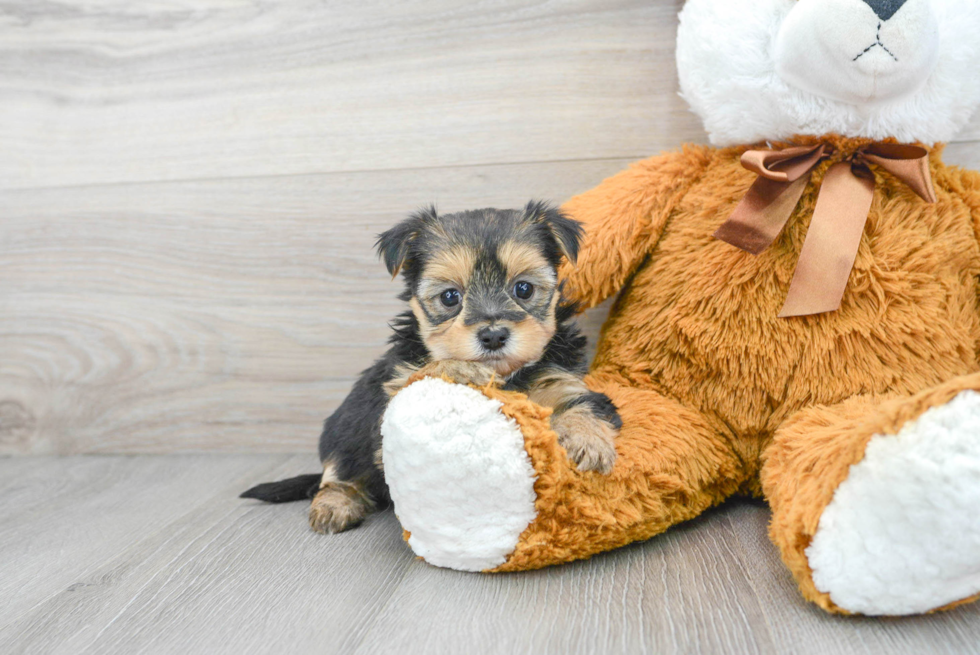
483, 284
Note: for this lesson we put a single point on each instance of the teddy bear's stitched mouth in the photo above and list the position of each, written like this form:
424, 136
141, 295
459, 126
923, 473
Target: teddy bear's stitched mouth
877, 42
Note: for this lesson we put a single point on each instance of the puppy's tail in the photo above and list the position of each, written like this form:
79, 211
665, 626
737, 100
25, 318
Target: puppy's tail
285, 491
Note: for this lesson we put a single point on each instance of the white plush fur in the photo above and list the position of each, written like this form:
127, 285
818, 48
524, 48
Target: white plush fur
902, 533
842, 50
758, 70
458, 474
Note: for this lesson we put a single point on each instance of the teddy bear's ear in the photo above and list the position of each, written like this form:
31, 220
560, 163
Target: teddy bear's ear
395, 246
566, 232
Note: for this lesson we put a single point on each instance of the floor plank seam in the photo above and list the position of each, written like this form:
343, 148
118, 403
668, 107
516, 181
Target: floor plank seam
379, 612
317, 174
740, 557
368, 171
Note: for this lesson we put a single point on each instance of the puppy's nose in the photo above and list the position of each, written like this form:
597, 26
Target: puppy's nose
885, 9
493, 338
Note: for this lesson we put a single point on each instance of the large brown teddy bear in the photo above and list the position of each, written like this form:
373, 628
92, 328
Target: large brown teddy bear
735, 371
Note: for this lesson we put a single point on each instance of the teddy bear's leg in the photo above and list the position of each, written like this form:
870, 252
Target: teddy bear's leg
876, 502
480, 483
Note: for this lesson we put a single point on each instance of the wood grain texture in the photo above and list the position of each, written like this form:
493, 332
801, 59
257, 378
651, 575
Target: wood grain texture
65, 516
112, 91
231, 576
681, 593
230, 308
182, 565
223, 315
190, 192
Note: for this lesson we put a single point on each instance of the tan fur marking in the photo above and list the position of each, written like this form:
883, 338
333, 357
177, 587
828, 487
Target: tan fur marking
339, 506
520, 257
460, 372
430, 333
556, 387
402, 373
455, 340
452, 265
329, 473
449, 340
528, 341
589, 441
424, 325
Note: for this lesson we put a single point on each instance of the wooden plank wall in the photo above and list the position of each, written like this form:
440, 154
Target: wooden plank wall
190, 189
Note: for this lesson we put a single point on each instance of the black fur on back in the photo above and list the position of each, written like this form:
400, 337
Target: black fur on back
357, 422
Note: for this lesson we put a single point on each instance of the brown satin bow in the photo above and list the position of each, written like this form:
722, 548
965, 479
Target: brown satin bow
839, 216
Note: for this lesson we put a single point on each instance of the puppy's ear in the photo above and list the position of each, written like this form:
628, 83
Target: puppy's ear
395, 246
566, 232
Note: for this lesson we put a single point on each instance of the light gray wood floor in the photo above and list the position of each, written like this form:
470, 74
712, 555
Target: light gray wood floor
156, 554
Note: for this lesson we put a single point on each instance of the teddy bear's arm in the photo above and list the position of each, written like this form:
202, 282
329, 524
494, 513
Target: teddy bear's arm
623, 219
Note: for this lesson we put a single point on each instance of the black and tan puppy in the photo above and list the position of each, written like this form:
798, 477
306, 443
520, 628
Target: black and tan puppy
486, 306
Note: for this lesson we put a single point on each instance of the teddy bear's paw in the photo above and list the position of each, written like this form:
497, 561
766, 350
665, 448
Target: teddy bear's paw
901, 534
588, 439
460, 478
337, 507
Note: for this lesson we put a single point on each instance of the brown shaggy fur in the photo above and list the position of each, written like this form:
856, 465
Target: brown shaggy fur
717, 394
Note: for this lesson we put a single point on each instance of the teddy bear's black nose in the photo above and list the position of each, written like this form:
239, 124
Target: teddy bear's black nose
885, 8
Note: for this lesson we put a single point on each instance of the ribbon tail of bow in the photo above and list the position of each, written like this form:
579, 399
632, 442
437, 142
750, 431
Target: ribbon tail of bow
832, 241
761, 215
763, 211
843, 203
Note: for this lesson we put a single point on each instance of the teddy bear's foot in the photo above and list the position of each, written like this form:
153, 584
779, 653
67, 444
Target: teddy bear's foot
460, 479
894, 528
902, 534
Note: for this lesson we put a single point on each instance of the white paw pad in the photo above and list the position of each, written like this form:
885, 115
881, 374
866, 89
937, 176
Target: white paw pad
902, 533
458, 474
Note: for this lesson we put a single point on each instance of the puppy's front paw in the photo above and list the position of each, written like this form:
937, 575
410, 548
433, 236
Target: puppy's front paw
338, 506
458, 371
588, 439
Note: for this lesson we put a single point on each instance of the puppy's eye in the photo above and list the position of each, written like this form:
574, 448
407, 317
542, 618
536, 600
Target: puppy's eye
450, 297
523, 290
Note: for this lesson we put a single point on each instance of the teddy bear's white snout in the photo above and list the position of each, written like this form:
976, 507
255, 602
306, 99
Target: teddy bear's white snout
858, 51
